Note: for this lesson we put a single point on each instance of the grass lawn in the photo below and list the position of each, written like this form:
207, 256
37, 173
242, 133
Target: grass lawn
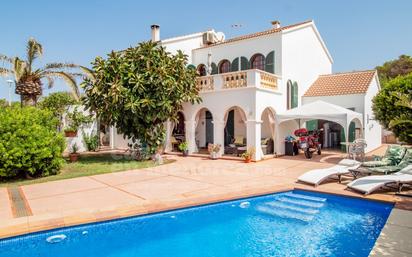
88, 166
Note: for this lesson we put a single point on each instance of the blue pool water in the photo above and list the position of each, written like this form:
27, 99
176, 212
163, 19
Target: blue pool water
295, 223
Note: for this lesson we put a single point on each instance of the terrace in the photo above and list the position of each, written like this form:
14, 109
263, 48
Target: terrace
238, 79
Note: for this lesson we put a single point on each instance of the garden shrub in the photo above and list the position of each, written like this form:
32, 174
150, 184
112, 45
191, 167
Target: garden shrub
91, 141
29, 142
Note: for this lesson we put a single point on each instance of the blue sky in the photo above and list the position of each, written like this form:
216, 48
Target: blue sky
359, 34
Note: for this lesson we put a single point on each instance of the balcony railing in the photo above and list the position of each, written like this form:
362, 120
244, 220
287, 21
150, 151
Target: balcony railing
238, 79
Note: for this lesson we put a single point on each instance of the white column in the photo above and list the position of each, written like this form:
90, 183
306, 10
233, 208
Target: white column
219, 134
254, 137
190, 128
112, 133
168, 145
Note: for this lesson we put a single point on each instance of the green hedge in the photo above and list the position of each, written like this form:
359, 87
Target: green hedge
29, 143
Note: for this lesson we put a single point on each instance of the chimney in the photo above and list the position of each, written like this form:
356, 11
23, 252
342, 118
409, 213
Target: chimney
275, 24
155, 32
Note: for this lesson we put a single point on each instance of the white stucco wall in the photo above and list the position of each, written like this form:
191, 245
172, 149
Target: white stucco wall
87, 129
304, 58
373, 130
185, 43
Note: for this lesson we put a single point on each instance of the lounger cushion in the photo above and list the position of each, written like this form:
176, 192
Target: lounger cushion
348, 162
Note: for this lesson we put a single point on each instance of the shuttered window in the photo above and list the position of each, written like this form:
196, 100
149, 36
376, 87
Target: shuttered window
270, 62
244, 63
295, 96
235, 64
214, 68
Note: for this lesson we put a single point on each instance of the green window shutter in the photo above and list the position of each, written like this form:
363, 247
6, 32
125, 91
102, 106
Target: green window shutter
295, 95
235, 64
244, 63
214, 68
191, 66
342, 140
270, 62
352, 132
312, 124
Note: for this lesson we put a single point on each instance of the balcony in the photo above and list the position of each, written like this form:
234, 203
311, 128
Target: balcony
238, 79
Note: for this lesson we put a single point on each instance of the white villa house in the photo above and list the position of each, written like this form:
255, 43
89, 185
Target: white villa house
248, 82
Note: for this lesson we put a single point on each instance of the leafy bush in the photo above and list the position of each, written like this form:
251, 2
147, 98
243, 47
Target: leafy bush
389, 110
91, 141
139, 89
76, 119
29, 142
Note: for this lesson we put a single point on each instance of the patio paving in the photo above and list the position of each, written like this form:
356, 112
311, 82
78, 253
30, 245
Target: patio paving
187, 182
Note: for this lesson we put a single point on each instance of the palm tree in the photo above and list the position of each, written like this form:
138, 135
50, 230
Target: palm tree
29, 80
404, 100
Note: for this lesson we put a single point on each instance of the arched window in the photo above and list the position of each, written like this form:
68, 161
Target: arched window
292, 97
295, 96
257, 62
201, 70
224, 66
289, 94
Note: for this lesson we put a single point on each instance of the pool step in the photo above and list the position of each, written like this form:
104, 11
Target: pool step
284, 213
299, 202
282, 205
305, 197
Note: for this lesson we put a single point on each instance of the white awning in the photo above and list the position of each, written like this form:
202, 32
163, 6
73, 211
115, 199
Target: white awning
323, 111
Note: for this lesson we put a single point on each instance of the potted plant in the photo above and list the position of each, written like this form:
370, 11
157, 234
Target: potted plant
74, 155
70, 132
214, 150
75, 120
184, 148
247, 156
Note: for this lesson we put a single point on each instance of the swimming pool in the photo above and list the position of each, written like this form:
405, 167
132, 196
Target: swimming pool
293, 223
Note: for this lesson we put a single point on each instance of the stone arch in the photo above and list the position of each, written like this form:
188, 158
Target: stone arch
268, 130
235, 129
257, 61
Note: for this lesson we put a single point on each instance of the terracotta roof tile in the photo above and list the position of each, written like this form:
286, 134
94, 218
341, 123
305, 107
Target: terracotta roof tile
258, 34
349, 83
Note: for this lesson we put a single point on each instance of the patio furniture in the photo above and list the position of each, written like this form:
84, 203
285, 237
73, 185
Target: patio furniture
360, 171
231, 149
239, 141
174, 142
357, 149
241, 150
406, 160
369, 184
392, 156
315, 177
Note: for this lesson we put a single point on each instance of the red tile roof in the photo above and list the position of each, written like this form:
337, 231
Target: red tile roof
348, 83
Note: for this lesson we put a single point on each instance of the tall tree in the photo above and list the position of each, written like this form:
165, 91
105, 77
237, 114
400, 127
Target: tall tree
29, 80
392, 69
139, 89
392, 106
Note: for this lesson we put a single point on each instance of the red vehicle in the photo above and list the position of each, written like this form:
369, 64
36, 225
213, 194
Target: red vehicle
309, 141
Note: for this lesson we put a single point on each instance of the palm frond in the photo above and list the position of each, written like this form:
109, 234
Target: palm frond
57, 65
34, 50
87, 72
398, 122
50, 82
5, 58
5, 72
68, 78
404, 101
19, 68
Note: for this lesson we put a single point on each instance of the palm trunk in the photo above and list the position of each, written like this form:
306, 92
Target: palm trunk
28, 100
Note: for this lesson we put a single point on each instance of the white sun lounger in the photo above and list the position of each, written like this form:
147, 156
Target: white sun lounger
369, 184
315, 177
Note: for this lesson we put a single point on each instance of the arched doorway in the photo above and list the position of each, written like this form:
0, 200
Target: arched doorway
268, 131
204, 130
235, 131
179, 132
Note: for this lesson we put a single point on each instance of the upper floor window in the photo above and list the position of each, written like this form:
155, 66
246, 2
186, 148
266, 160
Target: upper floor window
201, 70
258, 62
224, 66
292, 96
